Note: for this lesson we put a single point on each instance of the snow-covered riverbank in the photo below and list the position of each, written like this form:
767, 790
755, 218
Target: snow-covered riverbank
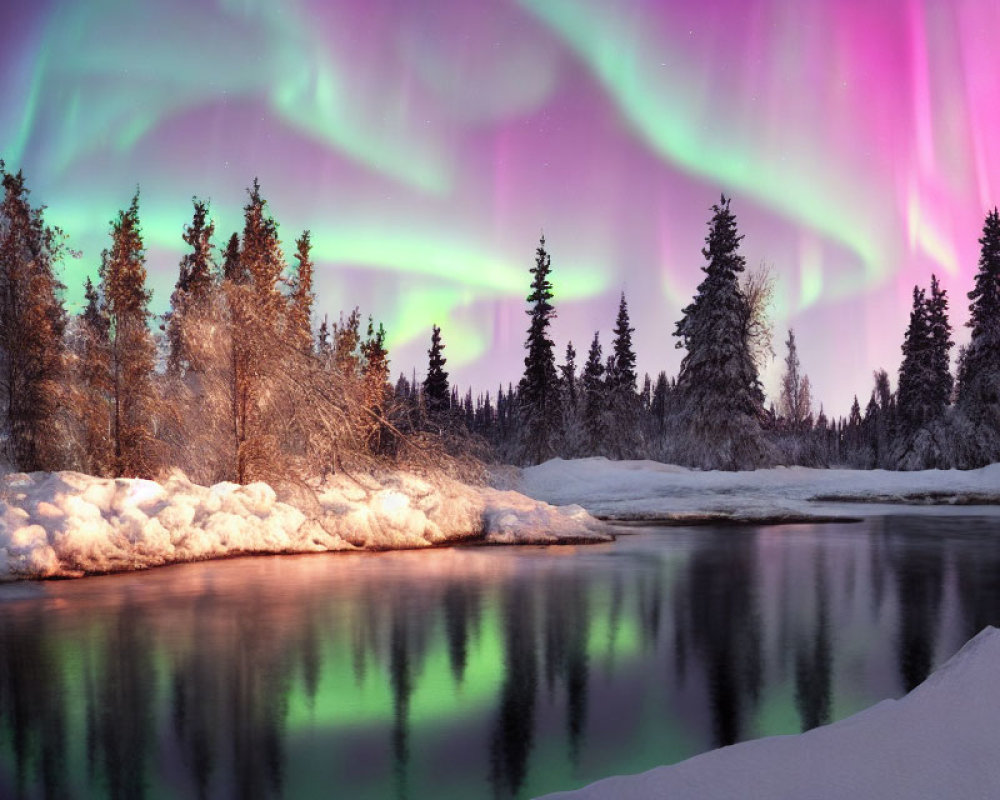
938, 741
66, 524
650, 491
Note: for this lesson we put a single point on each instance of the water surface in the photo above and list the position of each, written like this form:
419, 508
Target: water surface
474, 672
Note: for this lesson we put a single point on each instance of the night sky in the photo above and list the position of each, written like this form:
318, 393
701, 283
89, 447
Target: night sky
427, 144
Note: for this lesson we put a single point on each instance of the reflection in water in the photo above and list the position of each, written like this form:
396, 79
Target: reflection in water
721, 616
473, 672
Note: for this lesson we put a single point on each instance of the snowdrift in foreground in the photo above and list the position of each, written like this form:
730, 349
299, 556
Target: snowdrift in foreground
69, 524
648, 490
938, 741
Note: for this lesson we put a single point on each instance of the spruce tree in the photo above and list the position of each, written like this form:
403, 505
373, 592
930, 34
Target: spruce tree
916, 371
190, 303
659, 403
123, 286
568, 374
979, 390
324, 347
232, 267
595, 400
255, 318
623, 433
32, 321
720, 397
376, 389
539, 409
346, 341
941, 343
302, 297
94, 385
436, 391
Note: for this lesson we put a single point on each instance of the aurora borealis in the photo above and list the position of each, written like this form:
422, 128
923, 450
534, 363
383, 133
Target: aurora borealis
426, 144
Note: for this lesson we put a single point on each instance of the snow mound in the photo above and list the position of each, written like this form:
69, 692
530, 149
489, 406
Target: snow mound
938, 741
649, 491
68, 524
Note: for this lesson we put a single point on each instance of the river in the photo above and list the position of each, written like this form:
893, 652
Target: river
474, 672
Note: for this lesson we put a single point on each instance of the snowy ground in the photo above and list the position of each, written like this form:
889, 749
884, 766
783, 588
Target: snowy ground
66, 524
650, 491
938, 741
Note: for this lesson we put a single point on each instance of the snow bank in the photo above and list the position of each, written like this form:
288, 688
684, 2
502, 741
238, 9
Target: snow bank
68, 524
647, 490
938, 741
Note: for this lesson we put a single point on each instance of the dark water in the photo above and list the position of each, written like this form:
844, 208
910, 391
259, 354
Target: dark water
470, 673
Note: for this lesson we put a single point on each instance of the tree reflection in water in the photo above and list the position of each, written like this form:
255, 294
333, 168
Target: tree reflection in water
472, 672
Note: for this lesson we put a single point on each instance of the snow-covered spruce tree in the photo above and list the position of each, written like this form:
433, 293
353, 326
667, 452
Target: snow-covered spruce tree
567, 373
979, 384
131, 347
878, 427
595, 401
302, 297
91, 385
203, 367
719, 395
256, 308
539, 407
376, 390
347, 343
923, 435
232, 267
659, 405
324, 345
32, 321
573, 434
436, 389
854, 450
624, 436
191, 299
940, 331
916, 371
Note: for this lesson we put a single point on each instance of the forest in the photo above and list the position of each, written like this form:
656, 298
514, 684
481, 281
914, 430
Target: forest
236, 383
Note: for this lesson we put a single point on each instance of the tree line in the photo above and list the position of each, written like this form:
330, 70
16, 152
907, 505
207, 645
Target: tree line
240, 386
712, 414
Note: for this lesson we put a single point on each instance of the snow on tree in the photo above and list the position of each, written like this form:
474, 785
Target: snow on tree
595, 400
346, 341
794, 402
539, 407
940, 331
32, 321
573, 443
719, 394
232, 266
324, 347
256, 308
878, 427
979, 384
436, 390
190, 303
568, 374
91, 384
623, 404
658, 407
131, 347
302, 296
917, 378
376, 389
